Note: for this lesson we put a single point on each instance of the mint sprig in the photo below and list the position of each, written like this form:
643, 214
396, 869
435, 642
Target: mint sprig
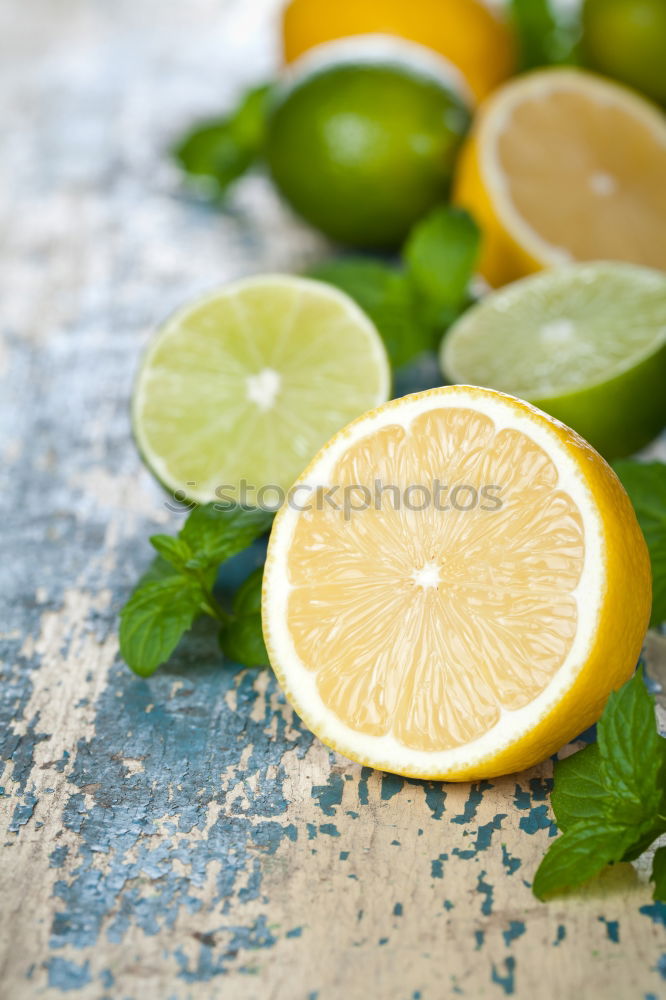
178, 587
645, 482
216, 153
610, 798
413, 301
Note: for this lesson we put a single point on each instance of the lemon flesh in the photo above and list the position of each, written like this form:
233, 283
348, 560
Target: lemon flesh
586, 343
245, 385
563, 165
465, 640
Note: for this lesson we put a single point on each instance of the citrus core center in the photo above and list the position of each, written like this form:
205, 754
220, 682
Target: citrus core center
263, 388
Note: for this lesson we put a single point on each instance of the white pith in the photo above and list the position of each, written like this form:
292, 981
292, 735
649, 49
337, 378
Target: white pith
379, 49
299, 683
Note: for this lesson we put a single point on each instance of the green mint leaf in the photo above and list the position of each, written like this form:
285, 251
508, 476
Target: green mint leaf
247, 599
659, 874
645, 482
221, 150
215, 534
154, 619
174, 551
385, 294
645, 836
579, 854
242, 640
629, 751
159, 569
579, 791
440, 255
544, 37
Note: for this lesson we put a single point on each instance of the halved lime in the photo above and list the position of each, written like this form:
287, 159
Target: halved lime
585, 342
238, 390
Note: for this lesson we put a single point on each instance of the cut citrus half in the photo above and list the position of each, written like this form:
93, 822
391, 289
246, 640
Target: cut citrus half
238, 390
467, 609
469, 34
563, 165
586, 343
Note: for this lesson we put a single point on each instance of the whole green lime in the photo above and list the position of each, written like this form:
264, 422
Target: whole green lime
626, 39
362, 150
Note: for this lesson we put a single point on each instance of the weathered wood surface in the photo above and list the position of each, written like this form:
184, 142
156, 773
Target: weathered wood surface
185, 836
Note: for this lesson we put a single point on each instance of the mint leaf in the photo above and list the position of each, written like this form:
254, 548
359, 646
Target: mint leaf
610, 798
177, 587
544, 38
215, 534
242, 639
174, 551
659, 874
440, 255
159, 569
154, 620
629, 751
579, 792
247, 599
223, 149
579, 854
645, 482
385, 294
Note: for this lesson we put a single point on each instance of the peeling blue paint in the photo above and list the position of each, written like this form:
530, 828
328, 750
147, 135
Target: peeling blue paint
107, 978
330, 795
473, 802
479, 937
448, 905
435, 797
22, 813
57, 856
515, 930
330, 829
612, 929
661, 966
538, 819
488, 891
655, 911
397, 910
506, 981
391, 785
510, 863
437, 866
363, 785
213, 960
64, 975
560, 935
485, 832
176, 781
295, 932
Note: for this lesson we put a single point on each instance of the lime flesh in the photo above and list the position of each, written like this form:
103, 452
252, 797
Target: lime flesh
586, 343
244, 386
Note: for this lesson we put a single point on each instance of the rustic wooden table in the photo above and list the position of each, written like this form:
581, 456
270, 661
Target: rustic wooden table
185, 836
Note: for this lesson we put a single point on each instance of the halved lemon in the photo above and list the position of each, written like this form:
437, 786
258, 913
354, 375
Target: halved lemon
480, 589
563, 165
238, 390
473, 37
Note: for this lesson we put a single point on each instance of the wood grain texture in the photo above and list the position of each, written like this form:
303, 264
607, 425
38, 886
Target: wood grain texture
185, 836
